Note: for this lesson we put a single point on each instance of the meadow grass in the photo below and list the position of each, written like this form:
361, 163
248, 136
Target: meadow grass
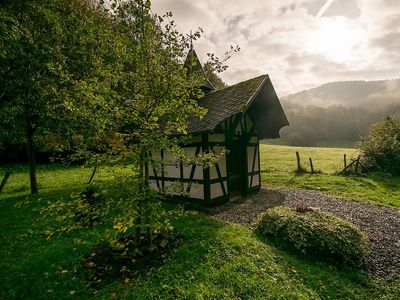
278, 166
215, 260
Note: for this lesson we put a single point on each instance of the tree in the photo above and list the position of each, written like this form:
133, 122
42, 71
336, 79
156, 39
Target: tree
56, 66
110, 83
157, 98
215, 80
380, 149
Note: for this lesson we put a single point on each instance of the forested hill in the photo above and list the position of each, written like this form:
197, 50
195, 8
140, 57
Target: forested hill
338, 111
349, 94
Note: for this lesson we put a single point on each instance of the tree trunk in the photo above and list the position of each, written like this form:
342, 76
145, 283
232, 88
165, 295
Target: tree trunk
4, 181
146, 174
31, 158
139, 218
142, 219
93, 173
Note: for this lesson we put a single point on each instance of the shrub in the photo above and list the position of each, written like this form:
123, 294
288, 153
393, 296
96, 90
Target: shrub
380, 149
314, 232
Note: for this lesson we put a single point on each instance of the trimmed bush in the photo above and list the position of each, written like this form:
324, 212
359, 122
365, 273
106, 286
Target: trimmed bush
314, 232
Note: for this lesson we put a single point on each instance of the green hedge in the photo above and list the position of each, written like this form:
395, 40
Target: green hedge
314, 232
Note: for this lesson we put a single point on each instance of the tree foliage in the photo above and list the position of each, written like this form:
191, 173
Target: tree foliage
156, 95
213, 77
156, 99
58, 64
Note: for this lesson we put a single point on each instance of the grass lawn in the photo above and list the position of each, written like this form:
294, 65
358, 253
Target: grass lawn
215, 260
278, 164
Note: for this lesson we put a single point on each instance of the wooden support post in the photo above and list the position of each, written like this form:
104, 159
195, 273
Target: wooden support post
311, 166
298, 161
4, 181
363, 168
348, 167
93, 173
345, 161
357, 164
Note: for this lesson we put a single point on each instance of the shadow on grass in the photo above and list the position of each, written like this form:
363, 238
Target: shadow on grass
34, 265
387, 180
286, 248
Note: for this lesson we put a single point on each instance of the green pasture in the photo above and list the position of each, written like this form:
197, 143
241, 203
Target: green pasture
278, 166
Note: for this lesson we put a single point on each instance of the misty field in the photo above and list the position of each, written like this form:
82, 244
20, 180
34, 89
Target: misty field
278, 165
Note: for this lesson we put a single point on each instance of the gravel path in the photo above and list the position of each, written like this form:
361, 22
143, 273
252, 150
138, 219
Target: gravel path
381, 224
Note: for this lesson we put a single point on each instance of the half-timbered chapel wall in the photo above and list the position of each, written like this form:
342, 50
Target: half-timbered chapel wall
211, 184
198, 183
168, 172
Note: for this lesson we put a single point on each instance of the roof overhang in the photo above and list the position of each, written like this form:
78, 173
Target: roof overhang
256, 96
266, 111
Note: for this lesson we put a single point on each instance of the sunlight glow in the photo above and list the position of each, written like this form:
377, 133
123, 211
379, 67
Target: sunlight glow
335, 38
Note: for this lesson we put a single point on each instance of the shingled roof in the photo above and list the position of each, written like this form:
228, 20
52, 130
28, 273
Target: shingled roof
225, 103
257, 92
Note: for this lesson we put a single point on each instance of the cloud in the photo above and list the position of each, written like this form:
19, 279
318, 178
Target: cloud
277, 36
389, 42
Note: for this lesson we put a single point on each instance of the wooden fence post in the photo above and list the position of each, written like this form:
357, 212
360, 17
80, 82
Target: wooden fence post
4, 181
345, 161
298, 161
311, 166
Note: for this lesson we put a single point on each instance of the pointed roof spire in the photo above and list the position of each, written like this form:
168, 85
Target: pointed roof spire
191, 40
193, 64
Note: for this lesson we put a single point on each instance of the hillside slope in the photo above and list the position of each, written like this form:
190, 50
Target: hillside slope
365, 94
338, 111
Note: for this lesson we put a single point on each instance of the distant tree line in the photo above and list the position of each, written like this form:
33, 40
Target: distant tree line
311, 125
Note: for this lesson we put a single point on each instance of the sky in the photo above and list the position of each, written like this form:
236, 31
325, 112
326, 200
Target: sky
301, 44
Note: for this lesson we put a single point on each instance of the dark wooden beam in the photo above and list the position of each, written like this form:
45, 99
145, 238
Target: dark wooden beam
219, 175
154, 170
254, 164
193, 169
206, 170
